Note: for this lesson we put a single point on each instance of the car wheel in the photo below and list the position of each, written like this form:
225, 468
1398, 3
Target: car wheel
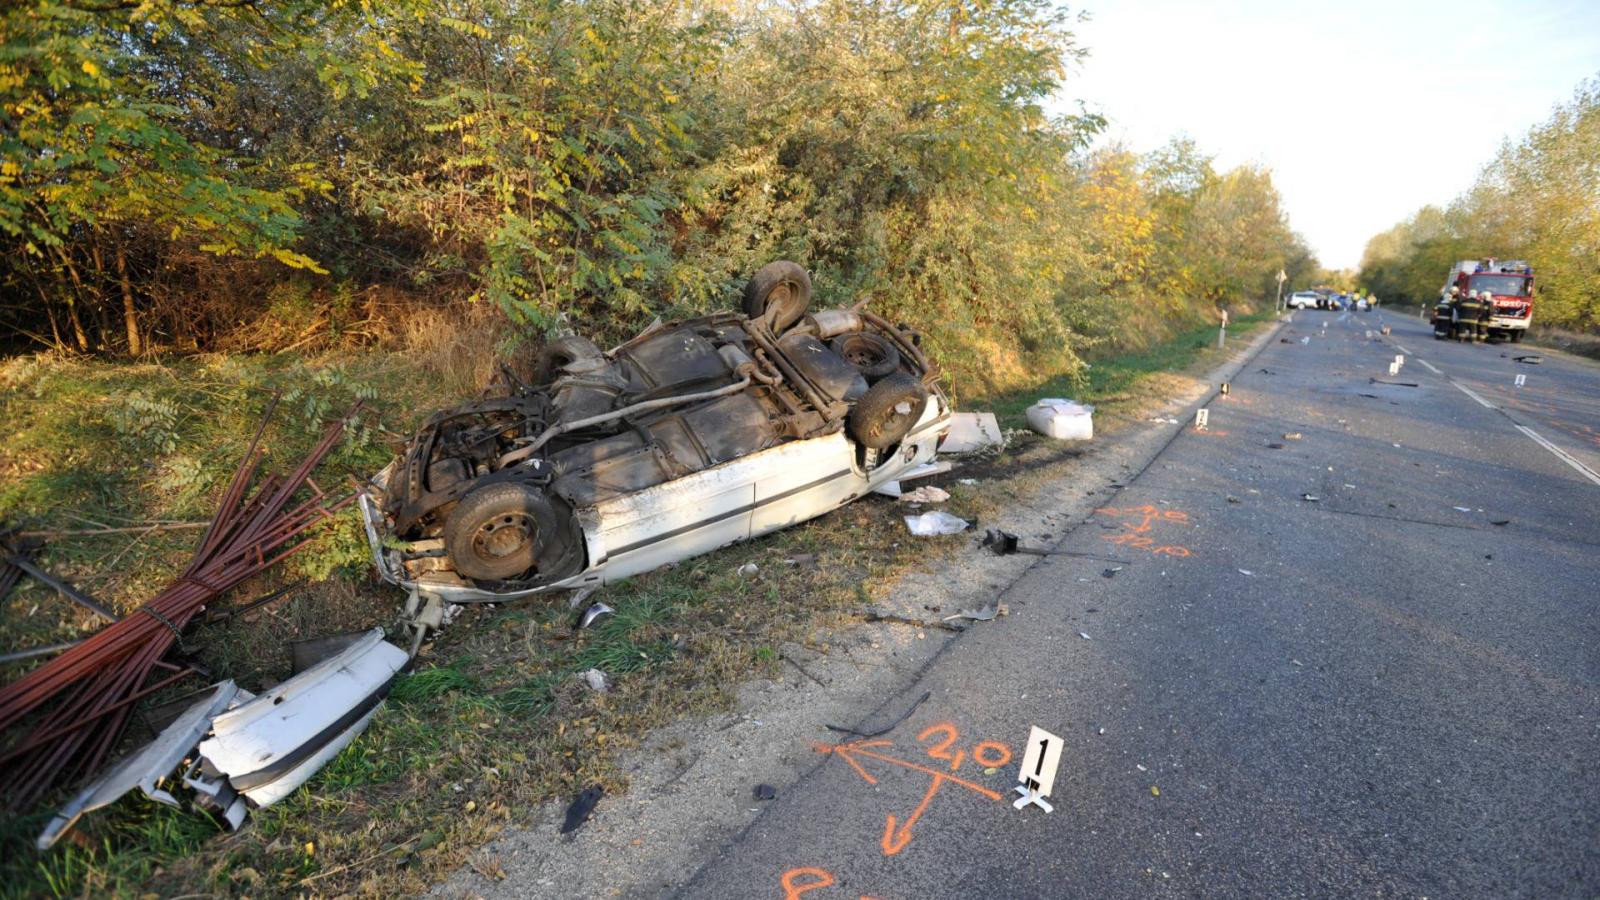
871, 354
559, 353
499, 531
780, 291
886, 412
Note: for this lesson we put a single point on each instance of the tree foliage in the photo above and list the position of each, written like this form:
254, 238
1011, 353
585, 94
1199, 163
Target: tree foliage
175, 171
1539, 200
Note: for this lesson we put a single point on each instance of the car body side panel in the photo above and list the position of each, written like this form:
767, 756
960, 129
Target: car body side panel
681, 518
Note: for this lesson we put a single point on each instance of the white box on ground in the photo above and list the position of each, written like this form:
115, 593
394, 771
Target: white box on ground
1061, 419
1039, 761
971, 431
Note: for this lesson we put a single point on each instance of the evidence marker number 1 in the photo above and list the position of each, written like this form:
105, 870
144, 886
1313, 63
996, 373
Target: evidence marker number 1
1037, 774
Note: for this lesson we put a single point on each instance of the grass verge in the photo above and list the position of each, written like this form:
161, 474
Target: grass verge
493, 720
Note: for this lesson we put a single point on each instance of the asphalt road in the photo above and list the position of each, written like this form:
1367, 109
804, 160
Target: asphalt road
1390, 690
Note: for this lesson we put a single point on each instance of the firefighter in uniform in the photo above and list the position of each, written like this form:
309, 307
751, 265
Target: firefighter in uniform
1485, 313
1468, 311
1442, 312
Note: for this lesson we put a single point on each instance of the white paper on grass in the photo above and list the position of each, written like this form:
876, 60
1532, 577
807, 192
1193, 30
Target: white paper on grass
934, 523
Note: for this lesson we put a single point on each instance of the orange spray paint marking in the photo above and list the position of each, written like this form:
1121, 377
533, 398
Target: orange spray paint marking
1137, 533
792, 890
897, 833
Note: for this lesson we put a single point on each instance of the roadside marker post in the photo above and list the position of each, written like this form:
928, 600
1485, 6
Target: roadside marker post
1038, 772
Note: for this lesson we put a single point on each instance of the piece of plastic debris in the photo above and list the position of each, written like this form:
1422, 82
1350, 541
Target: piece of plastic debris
764, 792
580, 809
1463, 509
1064, 420
145, 768
1312, 498
1297, 662
1233, 499
971, 432
1246, 572
749, 569
1155, 791
991, 771
1306, 339
888, 489
926, 470
597, 681
1292, 436
968, 481
1140, 767
926, 494
1085, 636
1111, 573
979, 615
594, 612
936, 522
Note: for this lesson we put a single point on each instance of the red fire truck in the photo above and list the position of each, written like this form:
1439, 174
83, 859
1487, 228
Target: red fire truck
1505, 286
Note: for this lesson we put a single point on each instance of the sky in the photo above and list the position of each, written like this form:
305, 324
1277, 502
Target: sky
1364, 111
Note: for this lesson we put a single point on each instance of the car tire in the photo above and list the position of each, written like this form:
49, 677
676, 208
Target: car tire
886, 412
872, 355
779, 291
559, 353
499, 531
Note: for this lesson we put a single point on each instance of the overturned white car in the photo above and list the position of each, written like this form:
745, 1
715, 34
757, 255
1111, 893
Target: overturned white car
691, 436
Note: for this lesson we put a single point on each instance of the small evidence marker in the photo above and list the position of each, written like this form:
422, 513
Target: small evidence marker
1522, 380
1038, 772
1226, 387
1202, 416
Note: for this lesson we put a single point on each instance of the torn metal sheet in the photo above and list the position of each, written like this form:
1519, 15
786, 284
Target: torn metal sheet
153, 762
971, 432
274, 743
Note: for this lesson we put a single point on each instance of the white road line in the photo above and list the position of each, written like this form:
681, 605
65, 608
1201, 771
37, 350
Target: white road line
1561, 454
1429, 365
1401, 347
1468, 391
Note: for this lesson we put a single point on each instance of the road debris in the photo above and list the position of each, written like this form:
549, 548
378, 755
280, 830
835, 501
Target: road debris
1292, 436
748, 570
581, 808
926, 494
1004, 543
270, 744
1085, 636
764, 792
145, 767
593, 614
986, 614
1061, 419
1246, 572
971, 432
886, 729
1528, 360
596, 680
1463, 509
1111, 573
1310, 498
936, 522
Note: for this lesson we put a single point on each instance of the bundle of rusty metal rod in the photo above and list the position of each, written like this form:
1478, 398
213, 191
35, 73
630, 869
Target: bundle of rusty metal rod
79, 702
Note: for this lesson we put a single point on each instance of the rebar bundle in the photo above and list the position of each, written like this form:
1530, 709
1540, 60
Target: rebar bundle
88, 692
